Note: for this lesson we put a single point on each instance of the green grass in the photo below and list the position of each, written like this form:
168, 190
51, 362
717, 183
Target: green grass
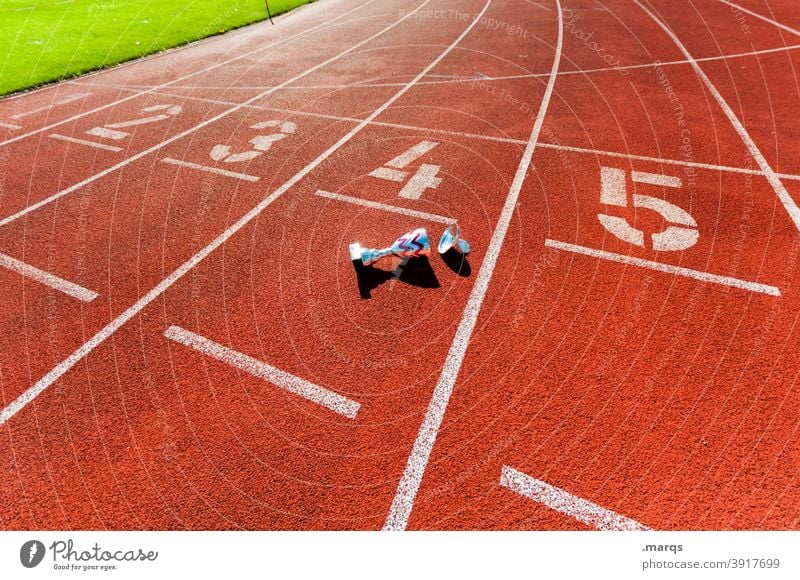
49, 40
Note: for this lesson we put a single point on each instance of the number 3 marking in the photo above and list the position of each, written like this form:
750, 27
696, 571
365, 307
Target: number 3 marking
111, 131
260, 143
680, 235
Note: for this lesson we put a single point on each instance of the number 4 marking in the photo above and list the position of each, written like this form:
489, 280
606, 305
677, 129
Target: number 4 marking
682, 232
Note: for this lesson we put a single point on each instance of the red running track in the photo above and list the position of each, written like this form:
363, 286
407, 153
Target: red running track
187, 344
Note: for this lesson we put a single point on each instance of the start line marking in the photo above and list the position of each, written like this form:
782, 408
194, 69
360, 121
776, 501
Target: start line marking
386, 207
562, 501
10, 126
84, 142
309, 391
54, 282
208, 169
677, 270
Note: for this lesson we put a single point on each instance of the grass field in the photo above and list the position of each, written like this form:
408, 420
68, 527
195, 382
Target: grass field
48, 40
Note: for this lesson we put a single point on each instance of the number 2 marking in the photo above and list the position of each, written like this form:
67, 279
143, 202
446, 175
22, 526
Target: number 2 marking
682, 232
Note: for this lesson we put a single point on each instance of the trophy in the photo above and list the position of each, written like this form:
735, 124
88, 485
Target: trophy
411, 245
451, 238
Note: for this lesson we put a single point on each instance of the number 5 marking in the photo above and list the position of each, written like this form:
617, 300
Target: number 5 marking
260, 143
680, 235
111, 132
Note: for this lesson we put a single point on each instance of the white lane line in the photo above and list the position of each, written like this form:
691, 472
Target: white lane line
10, 126
182, 78
85, 142
64, 366
542, 145
762, 17
69, 99
106, 133
564, 502
207, 122
48, 279
407, 489
669, 269
301, 387
769, 173
207, 169
385, 207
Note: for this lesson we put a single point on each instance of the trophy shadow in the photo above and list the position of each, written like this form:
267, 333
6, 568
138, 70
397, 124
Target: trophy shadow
414, 271
457, 262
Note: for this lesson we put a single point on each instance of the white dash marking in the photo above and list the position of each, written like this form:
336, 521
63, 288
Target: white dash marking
669, 269
385, 207
48, 279
769, 173
10, 126
412, 154
105, 133
309, 391
85, 142
564, 502
50, 106
407, 488
207, 169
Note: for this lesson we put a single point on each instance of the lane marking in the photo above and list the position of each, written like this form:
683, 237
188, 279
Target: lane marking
85, 142
412, 154
69, 99
105, 133
179, 79
775, 182
386, 207
64, 366
566, 503
669, 269
207, 122
288, 382
10, 126
761, 17
407, 489
207, 169
48, 279
543, 145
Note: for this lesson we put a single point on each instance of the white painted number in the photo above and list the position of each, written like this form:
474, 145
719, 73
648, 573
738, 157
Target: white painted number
113, 132
260, 143
682, 232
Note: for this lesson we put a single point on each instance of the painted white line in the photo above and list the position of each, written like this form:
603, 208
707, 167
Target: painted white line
542, 145
669, 269
407, 489
385, 207
10, 126
412, 154
47, 279
207, 169
761, 17
207, 122
69, 99
64, 366
389, 174
769, 173
85, 142
184, 77
564, 502
309, 391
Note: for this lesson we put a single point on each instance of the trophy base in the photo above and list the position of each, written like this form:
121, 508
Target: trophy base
355, 252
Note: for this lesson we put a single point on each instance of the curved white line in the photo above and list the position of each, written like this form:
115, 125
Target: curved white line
409, 484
